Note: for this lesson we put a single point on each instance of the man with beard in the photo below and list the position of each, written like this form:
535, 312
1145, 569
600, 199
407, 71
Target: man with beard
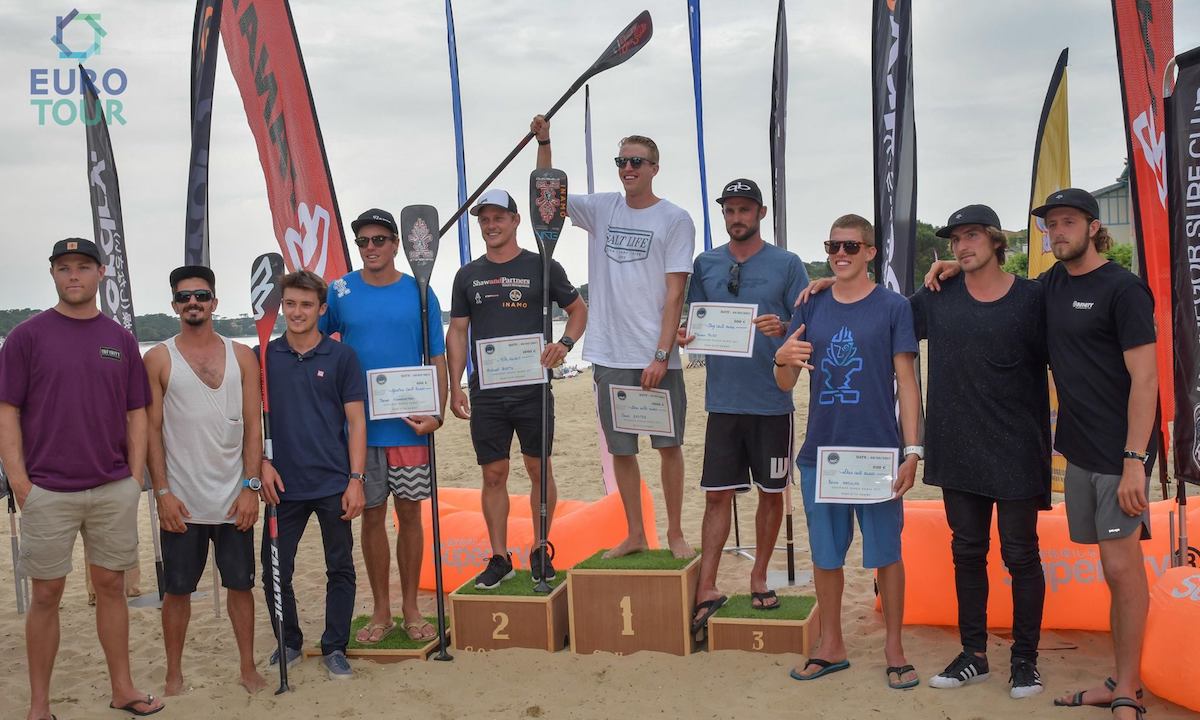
748, 438
205, 453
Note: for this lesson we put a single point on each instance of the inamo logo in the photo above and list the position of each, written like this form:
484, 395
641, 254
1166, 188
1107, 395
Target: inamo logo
57, 92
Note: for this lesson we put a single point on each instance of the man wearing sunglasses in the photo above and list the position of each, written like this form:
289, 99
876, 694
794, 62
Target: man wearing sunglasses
205, 453
640, 250
749, 434
377, 311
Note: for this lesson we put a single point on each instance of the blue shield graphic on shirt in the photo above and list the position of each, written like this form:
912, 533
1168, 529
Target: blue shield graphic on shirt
840, 363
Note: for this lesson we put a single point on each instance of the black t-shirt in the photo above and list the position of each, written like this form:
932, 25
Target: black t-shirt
1091, 320
502, 299
987, 429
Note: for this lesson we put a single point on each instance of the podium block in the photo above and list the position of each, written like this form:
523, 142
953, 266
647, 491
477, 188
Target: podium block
638, 602
510, 616
791, 628
394, 648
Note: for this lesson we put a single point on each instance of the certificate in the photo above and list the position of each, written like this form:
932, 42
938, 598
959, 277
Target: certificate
856, 475
722, 328
400, 392
642, 412
510, 361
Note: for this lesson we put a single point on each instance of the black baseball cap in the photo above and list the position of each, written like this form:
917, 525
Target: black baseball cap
970, 215
375, 216
495, 196
76, 245
741, 188
187, 272
1070, 197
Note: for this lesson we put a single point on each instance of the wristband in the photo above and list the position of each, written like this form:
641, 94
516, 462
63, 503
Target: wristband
1134, 455
543, 142
918, 450
162, 491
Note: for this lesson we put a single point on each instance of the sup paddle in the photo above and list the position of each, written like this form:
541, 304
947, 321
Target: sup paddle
265, 295
19, 580
625, 45
418, 225
548, 208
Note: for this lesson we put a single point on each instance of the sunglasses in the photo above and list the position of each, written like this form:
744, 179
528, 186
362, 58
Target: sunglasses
636, 162
735, 279
182, 296
850, 246
376, 240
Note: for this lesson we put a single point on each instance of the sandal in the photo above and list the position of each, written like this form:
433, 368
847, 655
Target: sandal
129, 707
763, 598
370, 629
898, 671
707, 609
412, 628
1077, 698
826, 667
1120, 702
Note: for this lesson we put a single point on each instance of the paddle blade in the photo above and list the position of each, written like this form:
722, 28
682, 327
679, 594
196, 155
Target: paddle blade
547, 207
265, 293
419, 235
628, 42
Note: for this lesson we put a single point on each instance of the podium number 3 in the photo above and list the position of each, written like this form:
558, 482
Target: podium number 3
501, 620
626, 616
757, 643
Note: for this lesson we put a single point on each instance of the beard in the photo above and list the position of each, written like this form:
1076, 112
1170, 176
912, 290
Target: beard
1072, 251
745, 233
193, 320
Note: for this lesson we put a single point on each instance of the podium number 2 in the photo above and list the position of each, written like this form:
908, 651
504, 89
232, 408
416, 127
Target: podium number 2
626, 616
757, 643
501, 620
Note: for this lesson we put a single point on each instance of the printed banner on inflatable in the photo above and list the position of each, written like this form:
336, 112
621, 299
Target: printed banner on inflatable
264, 55
205, 32
778, 131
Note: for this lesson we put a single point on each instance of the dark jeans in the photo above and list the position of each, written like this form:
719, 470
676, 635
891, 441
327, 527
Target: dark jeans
339, 570
970, 518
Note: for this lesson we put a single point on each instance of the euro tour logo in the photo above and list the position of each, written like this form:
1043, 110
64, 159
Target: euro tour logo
58, 92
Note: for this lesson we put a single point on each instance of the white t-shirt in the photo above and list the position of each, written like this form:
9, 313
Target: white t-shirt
630, 251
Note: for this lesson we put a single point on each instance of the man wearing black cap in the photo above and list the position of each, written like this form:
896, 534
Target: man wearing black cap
748, 441
73, 396
377, 311
497, 296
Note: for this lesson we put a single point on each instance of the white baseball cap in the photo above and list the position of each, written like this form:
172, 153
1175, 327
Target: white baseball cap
496, 197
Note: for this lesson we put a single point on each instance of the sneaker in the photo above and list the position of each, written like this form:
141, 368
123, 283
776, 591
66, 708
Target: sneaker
499, 569
1025, 679
293, 656
337, 666
965, 669
535, 564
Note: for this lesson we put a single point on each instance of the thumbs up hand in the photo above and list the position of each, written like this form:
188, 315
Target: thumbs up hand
794, 352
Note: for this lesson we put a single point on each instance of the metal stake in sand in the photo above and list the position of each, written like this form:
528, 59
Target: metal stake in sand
418, 224
548, 208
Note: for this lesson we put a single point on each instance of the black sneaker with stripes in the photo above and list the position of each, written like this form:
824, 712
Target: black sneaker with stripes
499, 569
963, 670
1025, 679
535, 564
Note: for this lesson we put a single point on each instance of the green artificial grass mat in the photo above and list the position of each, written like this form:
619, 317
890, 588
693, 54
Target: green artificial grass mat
792, 607
520, 585
645, 560
398, 640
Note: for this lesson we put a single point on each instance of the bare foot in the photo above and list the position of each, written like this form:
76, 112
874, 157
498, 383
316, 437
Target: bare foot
253, 682
173, 686
680, 548
628, 546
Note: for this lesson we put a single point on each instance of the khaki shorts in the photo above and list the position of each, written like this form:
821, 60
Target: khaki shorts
107, 517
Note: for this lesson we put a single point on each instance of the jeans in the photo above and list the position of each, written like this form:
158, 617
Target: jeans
970, 519
340, 581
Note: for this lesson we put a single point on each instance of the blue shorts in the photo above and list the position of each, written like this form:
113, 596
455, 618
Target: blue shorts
831, 527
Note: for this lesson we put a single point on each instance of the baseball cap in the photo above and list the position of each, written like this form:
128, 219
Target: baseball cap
76, 245
1070, 197
496, 197
741, 188
375, 216
970, 215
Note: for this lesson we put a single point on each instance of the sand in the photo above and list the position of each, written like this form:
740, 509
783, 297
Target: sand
527, 683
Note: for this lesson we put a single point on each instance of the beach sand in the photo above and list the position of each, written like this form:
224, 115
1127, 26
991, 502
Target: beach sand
527, 683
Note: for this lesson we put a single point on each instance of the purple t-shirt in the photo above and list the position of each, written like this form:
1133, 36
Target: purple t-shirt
73, 381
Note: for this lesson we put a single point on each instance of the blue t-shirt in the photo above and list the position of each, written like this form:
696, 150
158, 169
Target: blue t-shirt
852, 397
772, 278
383, 325
307, 395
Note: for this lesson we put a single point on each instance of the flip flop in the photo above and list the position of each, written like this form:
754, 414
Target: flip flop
762, 598
899, 671
1077, 699
710, 608
826, 668
370, 629
1120, 702
409, 628
129, 707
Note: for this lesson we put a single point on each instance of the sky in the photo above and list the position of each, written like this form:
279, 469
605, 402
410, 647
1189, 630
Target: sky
380, 80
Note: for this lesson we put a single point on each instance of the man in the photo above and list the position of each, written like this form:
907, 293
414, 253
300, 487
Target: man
639, 258
205, 454
377, 310
861, 334
1100, 339
319, 436
749, 433
496, 296
73, 397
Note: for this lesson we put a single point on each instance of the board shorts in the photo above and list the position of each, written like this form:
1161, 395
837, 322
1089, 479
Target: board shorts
1093, 513
495, 419
740, 449
106, 516
831, 527
402, 471
625, 443
185, 556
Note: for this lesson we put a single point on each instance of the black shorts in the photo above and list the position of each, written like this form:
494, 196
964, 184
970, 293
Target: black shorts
495, 419
741, 448
186, 554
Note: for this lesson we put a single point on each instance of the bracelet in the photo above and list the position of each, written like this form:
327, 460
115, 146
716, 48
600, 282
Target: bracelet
777, 363
544, 142
1134, 455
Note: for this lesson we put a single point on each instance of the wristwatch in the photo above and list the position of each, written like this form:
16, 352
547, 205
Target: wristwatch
362, 477
661, 355
253, 483
918, 450
567, 341
162, 491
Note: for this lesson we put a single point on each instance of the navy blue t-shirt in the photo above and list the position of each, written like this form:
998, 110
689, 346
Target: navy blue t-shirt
307, 395
852, 398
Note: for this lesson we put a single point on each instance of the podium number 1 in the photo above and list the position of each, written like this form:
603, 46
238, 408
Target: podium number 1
626, 616
501, 620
